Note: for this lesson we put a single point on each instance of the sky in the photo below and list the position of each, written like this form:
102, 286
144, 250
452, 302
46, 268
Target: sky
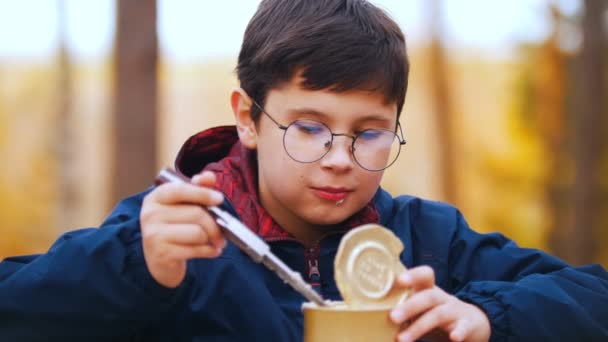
194, 30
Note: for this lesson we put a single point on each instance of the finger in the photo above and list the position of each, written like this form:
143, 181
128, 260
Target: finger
178, 213
417, 278
438, 317
460, 331
183, 252
418, 304
205, 178
189, 214
185, 234
176, 193
215, 235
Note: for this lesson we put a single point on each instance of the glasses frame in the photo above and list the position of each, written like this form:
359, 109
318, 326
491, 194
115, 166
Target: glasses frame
354, 138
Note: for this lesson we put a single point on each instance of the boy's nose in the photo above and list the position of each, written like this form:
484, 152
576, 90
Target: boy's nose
340, 155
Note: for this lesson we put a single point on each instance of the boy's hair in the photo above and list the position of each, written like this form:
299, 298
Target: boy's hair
338, 45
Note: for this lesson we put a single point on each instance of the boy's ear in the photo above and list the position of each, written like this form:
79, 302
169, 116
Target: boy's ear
245, 126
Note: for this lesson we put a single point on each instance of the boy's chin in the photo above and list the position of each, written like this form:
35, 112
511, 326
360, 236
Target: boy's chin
329, 219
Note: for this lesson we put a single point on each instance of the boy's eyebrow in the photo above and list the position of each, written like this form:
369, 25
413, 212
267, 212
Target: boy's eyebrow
307, 111
321, 115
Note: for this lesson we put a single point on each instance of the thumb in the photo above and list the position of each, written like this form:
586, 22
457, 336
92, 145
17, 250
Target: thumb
205, 178
418, 278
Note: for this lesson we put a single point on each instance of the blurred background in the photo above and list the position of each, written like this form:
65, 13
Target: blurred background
505, 117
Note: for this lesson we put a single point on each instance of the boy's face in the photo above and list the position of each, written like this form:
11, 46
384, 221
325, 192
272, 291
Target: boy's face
327, 191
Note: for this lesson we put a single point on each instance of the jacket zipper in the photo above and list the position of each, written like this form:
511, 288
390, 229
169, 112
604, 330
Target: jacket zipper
311, 257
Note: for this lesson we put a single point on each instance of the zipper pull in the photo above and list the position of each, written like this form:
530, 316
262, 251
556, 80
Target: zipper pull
313, 270
312, 267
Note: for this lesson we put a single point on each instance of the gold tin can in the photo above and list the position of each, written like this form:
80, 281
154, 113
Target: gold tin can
366, 266
337, 323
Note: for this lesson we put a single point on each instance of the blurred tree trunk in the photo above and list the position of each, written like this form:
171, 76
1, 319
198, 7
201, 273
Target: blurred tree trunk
135, 96
589, 100
440, 99
550, 92
602, 227
68, 201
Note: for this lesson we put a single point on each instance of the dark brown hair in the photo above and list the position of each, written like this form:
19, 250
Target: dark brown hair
338, 45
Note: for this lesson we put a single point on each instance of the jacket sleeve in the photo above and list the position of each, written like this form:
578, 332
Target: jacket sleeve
527, 294
91, 283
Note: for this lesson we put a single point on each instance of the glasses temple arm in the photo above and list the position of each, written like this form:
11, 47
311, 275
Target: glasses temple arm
402, 140
268, 115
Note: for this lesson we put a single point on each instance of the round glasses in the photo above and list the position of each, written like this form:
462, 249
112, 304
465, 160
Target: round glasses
307, 141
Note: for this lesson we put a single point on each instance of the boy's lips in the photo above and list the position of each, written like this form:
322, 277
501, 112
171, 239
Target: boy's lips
332, 194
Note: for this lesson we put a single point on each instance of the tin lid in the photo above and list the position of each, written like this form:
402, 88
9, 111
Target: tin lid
366, 266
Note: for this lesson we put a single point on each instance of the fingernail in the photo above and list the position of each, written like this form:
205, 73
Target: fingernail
405, 337
405, 279
397, 315
217, 196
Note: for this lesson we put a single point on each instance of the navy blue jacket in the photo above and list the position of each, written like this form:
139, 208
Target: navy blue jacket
93, 284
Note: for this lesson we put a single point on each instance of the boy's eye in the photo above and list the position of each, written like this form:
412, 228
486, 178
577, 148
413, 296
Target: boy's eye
309, 127
370, 134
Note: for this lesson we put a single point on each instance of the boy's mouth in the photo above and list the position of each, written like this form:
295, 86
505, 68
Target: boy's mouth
332, 194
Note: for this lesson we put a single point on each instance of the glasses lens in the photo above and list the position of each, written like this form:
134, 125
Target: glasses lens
307, 141
376, 149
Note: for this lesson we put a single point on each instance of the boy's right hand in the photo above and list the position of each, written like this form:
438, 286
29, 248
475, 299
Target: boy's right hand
175, 227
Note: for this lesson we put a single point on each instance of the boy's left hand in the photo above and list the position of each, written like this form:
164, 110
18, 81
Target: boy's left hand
435, 315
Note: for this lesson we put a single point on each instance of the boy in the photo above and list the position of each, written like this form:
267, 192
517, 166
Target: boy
322, 86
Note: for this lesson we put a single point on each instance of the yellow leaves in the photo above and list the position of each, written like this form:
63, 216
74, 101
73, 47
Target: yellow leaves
26, 176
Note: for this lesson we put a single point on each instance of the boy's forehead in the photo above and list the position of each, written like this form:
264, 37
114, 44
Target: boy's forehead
292, 99
297, 86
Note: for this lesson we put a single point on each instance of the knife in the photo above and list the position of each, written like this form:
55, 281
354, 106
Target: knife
250, 243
